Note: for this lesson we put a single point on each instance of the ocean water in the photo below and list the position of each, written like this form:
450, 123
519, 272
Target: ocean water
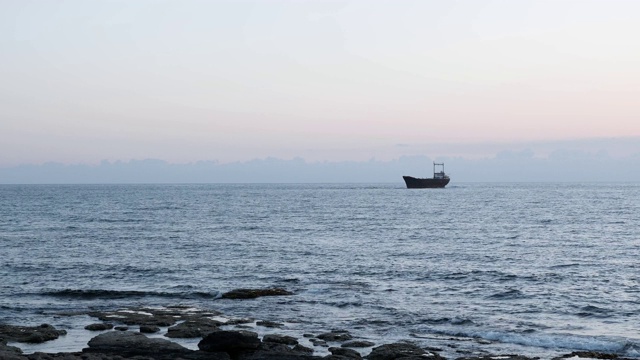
533, 269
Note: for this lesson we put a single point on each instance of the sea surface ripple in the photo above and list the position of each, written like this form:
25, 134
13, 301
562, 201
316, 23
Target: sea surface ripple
538, 269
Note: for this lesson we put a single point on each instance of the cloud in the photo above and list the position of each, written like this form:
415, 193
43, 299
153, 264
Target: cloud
507, 166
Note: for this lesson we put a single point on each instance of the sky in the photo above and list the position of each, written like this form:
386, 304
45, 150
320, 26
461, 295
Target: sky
185, 81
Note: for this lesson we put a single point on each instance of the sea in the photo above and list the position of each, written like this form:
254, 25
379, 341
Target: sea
537, 269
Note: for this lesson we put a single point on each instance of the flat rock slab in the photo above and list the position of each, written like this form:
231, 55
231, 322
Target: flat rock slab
280, 339
401, 351
275, 351
269, 324
254, 293
99, 327
229, 341
348, 353
149, 329
196, 328
126, 343
152, 316
589, 355
497, 357
358, 344
335, 336
30, 334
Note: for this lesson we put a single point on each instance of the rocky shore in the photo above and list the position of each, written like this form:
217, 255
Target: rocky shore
127, 334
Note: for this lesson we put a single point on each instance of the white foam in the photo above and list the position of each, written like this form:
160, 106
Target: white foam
222, 319
135, 312
550, 341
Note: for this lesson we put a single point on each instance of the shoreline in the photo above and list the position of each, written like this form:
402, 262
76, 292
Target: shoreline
181, 332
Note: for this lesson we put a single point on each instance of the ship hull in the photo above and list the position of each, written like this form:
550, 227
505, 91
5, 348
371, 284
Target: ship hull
417, 183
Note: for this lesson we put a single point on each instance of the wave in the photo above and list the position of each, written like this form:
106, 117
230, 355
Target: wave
105, 220
508, 295
451, 321
560, 266
594, 311
622, 346
90, 294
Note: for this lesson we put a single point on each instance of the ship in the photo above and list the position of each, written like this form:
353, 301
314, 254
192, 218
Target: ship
439, 180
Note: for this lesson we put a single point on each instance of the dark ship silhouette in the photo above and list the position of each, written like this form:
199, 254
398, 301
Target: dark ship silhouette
439, 180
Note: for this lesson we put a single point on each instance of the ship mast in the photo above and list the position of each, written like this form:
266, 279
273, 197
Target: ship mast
439, 175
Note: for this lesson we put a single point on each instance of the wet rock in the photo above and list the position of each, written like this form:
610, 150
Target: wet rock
400, 351
348, 353
99, 327
149, 329
588, 354
270, 324
497, 357
139, 316
307, 335
229, 341
10, 352
339, 335
259, 355
121, 328
275, 351
254, 293
168, 316
318, 342
358, 344
434, 349
302, 349
280, 339
239, 321
128, 344
30, 334
193, 328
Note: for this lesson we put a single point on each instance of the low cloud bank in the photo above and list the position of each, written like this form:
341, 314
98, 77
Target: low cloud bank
508, 166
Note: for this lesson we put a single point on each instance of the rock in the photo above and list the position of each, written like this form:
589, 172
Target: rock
348, 353
239, 321
302, 349
30, 334
588, 354
318, 342
275, 351
193, 328
400, 351
254, 293
497, 357
357, 344
128, 344
259, 355
270, 324
99, 326
280, 339
149, 329
121, 328
10, 352
340, 335
139, 316
307, 335
229, 341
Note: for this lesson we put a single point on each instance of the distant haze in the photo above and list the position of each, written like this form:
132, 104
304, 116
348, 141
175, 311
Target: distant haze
232, 83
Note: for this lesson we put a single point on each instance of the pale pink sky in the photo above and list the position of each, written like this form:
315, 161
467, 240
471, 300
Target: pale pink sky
83, 81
